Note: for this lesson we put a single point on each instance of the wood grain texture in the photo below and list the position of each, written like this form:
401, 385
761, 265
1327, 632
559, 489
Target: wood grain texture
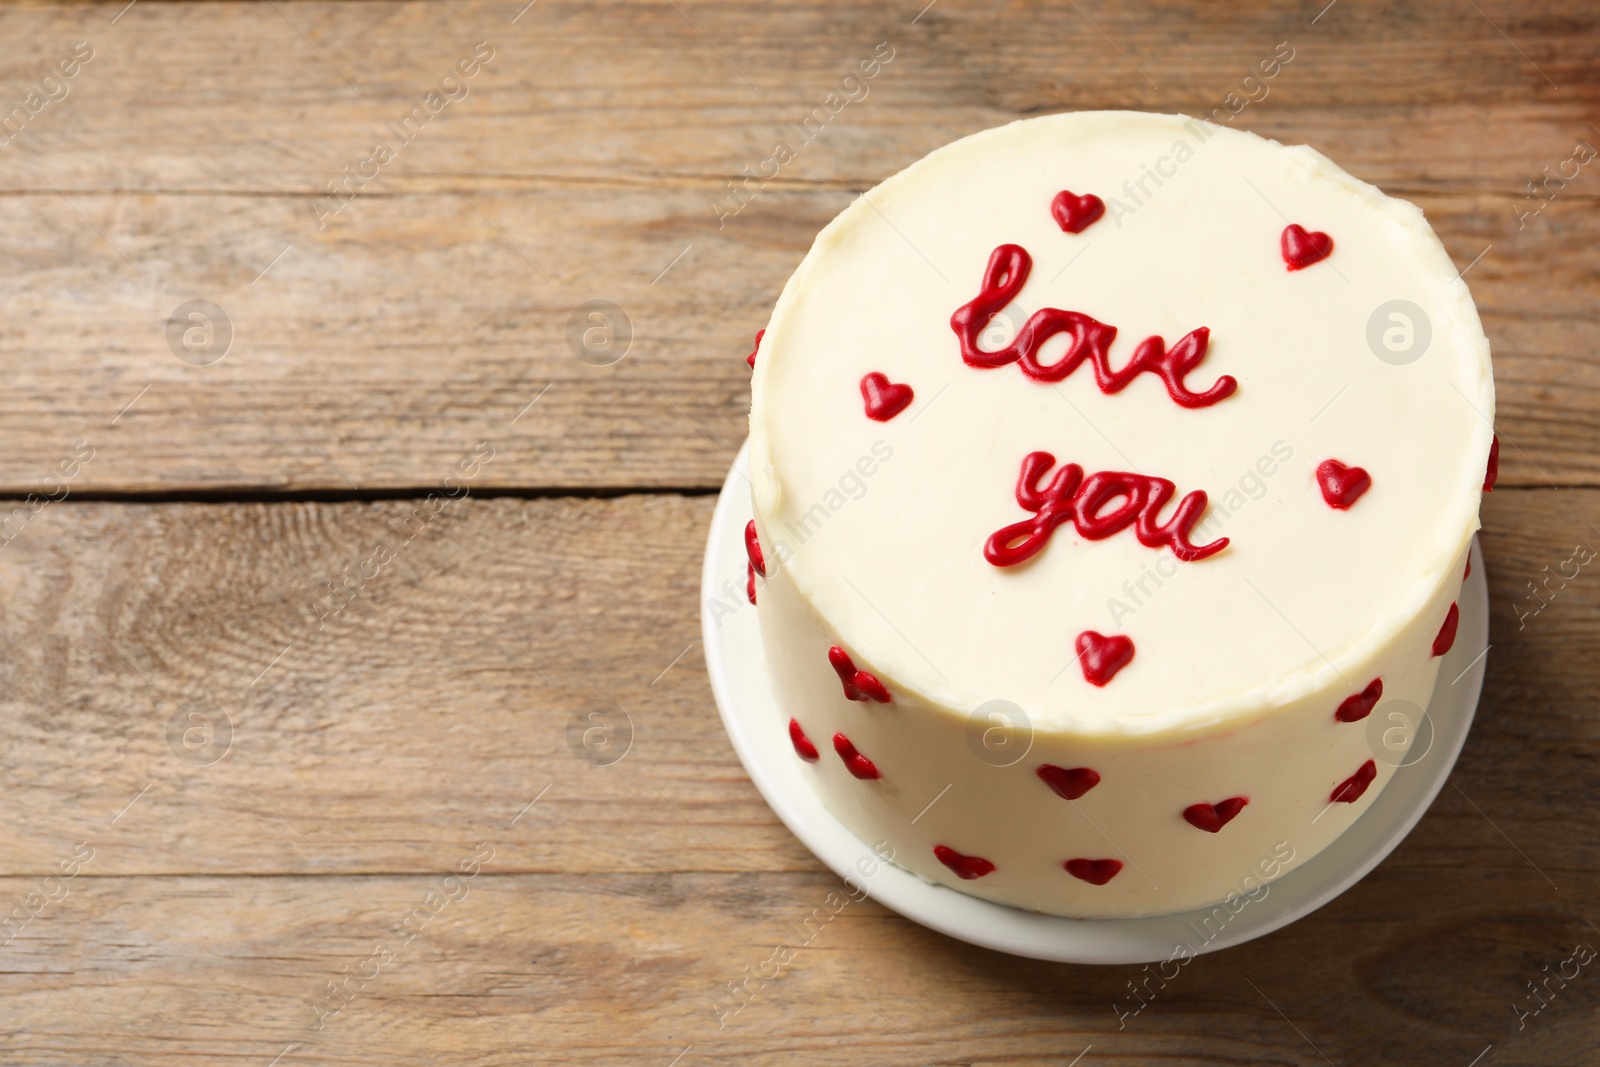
586, 161
263, 787
375, 754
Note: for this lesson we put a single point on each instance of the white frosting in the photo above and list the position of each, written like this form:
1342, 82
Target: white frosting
1241, 657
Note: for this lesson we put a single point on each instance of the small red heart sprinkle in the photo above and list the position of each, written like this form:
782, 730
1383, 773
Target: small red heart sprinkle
884, 399
858, 685
968, 867
1101, 656
750, 582
1493, 471
752, 548
1213, 817
1069, 783
1095, 872
1073, 213
751, 358
1447, 632
1358, 707
1349, 791
854, 762
1301, 248
1341, 485
802, 744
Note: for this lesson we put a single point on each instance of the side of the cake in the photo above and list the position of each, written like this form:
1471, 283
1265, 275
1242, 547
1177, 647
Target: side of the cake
1110, 472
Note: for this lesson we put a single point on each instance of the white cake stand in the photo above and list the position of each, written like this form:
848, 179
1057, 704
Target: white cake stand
759, 731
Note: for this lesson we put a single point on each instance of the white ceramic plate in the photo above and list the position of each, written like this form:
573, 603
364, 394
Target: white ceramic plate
759, 731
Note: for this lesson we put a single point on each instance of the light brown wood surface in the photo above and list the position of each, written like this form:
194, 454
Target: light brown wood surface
348, 763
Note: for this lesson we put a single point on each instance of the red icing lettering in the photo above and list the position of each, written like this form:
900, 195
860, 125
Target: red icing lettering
1095, 872
1447, 632
752, 549
802, 744
1302, 248
854, 762
967, 867
1358, 707
885, 399
1087, 502
1102, 657
1213, 817
751, 358
1493, 470
1341, 485
858, 685
1069, 783
1003, 278
1073, 213
1349, 791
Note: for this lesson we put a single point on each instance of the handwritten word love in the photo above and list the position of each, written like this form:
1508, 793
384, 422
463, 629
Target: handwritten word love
1003, 279
1098, 506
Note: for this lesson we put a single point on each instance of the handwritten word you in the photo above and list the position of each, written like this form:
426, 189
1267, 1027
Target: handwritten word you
1083, 501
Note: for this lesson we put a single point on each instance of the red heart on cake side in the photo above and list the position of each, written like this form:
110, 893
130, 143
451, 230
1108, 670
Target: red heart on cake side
1349, 791
1358, 707
1074, 213
885, 399
854, 762
1302, 247
1069, 783
1102, 657
751, 358
1095, 872
858, 685
802, 744
967, 867
1213, 817
1447, 632
1341, 485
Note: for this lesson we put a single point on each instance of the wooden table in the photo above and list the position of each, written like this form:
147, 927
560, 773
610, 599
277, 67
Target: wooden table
288, 774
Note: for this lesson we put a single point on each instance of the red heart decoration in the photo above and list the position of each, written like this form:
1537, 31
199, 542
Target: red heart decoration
1101, 656
1301, 248
968, 867
1447, 632
1493, 470
1349, 791
854, 762
752, 549
802, 744
884, 398
1358, 707
751, 358
1213, 817
1069, 784
1341, 485
1073, 213
858, 685
1095, 872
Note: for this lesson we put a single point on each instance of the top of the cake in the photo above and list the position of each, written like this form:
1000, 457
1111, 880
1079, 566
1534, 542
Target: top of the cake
1235, 315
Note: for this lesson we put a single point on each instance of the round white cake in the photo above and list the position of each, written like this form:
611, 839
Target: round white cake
1110, 470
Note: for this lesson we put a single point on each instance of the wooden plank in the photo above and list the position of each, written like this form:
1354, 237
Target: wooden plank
373, 355
372, 346
421, 713
635, 968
